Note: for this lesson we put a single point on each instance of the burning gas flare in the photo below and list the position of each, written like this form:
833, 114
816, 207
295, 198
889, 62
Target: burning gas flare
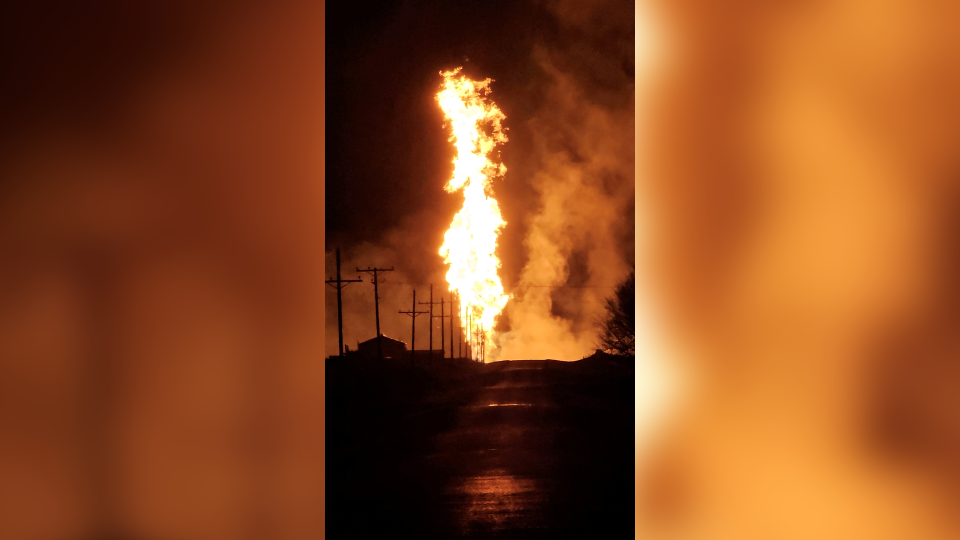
470, 244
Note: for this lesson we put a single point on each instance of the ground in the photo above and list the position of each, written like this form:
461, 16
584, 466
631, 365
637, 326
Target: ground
515, 449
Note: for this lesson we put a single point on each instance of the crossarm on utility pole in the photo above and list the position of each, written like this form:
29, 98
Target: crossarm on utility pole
441, 316
413, 313
376, 301
431, 303
339, 284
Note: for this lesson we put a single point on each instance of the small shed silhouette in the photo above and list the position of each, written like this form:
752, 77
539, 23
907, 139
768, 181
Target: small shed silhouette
392, 348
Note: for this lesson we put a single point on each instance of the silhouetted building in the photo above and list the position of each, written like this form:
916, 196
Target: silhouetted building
392, 348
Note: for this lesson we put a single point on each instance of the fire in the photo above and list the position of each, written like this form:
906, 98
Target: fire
470, 244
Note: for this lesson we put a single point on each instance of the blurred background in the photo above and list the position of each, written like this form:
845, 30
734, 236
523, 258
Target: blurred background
797, 186
161, 318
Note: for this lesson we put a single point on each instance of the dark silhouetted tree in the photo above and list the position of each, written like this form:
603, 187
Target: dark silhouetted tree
616, 334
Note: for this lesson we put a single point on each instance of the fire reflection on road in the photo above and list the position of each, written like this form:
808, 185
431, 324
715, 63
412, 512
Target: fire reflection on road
498, 501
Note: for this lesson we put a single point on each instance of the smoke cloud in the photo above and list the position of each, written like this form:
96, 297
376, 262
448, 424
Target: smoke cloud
579, 238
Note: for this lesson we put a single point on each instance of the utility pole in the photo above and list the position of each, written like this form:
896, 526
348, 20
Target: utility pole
376, 302
443, 349
483, 346
339, 284
474, 350
432, 316
413, 325
452, 355
460, 326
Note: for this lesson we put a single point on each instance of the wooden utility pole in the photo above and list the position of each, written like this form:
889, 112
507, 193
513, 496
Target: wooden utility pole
432, 316
483, 346
474, 351
339, 284
443, 349
413, 325
376, 302
452, 355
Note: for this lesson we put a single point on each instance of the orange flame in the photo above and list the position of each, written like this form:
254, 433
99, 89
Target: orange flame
470, 244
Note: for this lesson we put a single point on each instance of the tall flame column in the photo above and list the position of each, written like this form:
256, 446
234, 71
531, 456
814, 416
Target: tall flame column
470, 244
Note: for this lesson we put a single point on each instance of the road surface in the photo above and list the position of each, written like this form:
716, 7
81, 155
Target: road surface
518, 449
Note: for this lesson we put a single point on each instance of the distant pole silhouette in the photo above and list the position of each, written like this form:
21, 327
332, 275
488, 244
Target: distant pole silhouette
483, 345
431, 321
452, 355
339, 284
376, 302
413, 324
460, 326
432, 316
443, 348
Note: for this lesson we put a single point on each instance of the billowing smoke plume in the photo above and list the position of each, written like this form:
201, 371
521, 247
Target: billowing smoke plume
579, 239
